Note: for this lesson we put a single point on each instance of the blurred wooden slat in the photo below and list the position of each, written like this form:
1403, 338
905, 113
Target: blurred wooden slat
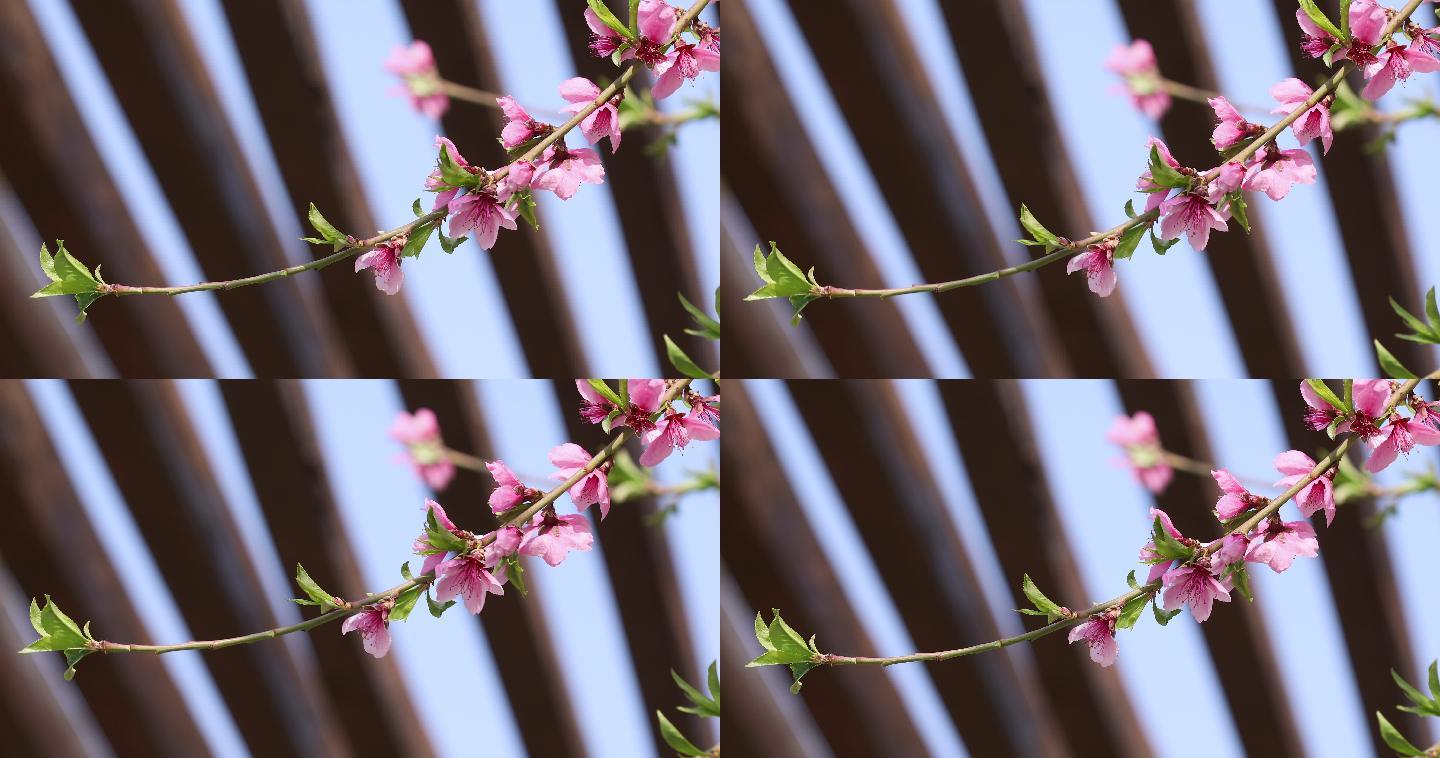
515, 628
160, 79
774, 171
992, 427
37, 344
1023, 135
32, 718
881, 472
648, 207
774, 555
43, 144
1244, 272
643, 577
1236, 636
277, 47
524, 262
51, 547
1363, 584
1367, 210
159, 466
881, 86
272, 425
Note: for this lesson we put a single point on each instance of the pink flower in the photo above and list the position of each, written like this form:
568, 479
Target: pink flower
416, 66
564, 170
520, 127
1316, 496
506, 543
481, 211
1275, 171
1231, 176
1315, 122
467, 577
674, 431
1099, 633
1400, 437
1278, 544
384, 261
518, 176
593, 488
1136, 64
1142, 449
1231, 128
509, 491
374, 626
1367, 21
1098, 263
422, 544
1193, 585
1147, 551
1317, 41
425, 451
604, 41
644, 398
1231, 550
596, 407
1395, 64
704, 408
1156, 194
1192, 214
1320, 414
684, 63
603, 121
657, 22
1235, 499
552, 536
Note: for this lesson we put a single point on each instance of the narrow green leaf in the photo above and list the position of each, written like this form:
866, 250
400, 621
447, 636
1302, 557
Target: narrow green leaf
1394, 739
1391, 365
1416, 696
515, 573
1167, 546
1432, 312
1043, 604
1163, 617
448, 244
440, 538
1322, 21
405, 603
325, 229
437, 609
1129, 241
1130, 612
416, 242
415, 208
1345, 19
709, 327
1037, 230
312, 589
603, 12
682, 362
1410, 319
712, 677
1130, 579
1434, 681
704, 706
668, 732
67, 274
1328, 395
1162, 174
1161, 246
608, 392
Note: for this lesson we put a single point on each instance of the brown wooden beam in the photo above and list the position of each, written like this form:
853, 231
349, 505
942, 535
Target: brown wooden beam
524, 263
160, 468
648, 207
161, 82
923, 562
881, 86
43, 145
774, 555
1023, 135
277, 48
517, 629
1366, 208
992, 427
1244, 271
1236, 635
51, 546
272, 425
774, 171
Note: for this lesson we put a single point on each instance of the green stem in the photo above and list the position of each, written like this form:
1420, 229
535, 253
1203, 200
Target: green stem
616, 443
1073, 247
1325, 464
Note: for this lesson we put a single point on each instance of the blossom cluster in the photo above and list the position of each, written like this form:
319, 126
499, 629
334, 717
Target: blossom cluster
1195, 574
469, 566
484, 202
1193, 202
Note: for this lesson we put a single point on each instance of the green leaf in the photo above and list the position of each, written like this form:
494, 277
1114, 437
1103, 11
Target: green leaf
1241, 578
1044, 605
1161, 246
682, 362
416, 242
405, 572
781, 276
1410, 319
1130, 579
1130, 209
1037, 230
448, 244
1320, 19
712, 677
1328, 395
1434, 680
1345, 19
327, 231
437, 609
441, 539
1166, 546
57, 630
668, 732
1163, 617
525, 206
797, 304
515, 574
1394, 739
782, 644
451, 174
635, 17
1128, 242
606, 391
1162, 174
416, 208
1235, 201
1391, 365
404, 603
312, 590
704, 706
1432, 312
709, 327
602, 11
1130, 612
72, 658
68, 276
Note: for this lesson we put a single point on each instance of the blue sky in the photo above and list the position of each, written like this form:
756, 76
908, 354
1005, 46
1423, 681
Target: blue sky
1172, 300
381, 501
456, 298
1104, 512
